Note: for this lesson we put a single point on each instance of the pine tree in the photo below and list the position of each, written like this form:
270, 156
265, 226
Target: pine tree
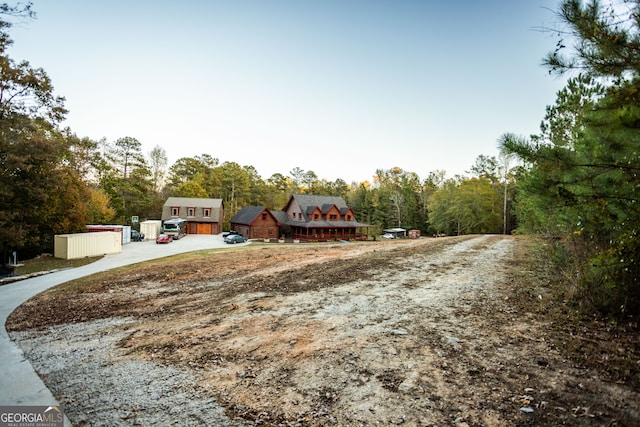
584, 180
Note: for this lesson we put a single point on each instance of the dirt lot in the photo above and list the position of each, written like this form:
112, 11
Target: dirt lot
425, 332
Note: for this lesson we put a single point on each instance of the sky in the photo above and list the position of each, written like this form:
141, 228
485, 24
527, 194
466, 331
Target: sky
341, 88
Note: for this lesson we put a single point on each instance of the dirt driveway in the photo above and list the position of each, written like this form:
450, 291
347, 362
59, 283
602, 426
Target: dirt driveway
423, 332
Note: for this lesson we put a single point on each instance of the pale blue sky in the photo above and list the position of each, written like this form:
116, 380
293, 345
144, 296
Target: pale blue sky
341, 88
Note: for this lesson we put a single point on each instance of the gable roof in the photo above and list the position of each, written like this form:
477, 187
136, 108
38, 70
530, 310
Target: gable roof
216, 206
280, 216
308, 200
308, 203
248, 214
193, 202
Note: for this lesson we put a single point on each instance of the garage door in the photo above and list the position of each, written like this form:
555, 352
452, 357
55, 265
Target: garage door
205, 228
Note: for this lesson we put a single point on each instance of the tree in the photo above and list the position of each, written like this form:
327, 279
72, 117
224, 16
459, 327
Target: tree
189, 189
442, 219
281, 190
486, 167
235, 187
359, 199
429, 186
259, 191
141, 197
185, 169
127, 154
297, 177
462, 206
98, 209
84, 156
583, 182
607, 39
38, 188
402, 188
474, 206
507, 176
158, 165
127, 179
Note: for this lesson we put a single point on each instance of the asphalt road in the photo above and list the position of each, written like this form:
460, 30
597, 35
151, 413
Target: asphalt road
19, 383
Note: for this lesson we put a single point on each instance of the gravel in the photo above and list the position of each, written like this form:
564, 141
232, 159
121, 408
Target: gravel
82, 362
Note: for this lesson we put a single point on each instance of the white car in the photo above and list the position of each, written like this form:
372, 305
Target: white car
389, 236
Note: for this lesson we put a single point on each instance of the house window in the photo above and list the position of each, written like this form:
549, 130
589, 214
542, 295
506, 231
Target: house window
348, 217
316, 217
175, 211
264, 216
206, 212
333, 217
191, 211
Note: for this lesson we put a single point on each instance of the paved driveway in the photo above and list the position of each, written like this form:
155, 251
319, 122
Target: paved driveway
19, 384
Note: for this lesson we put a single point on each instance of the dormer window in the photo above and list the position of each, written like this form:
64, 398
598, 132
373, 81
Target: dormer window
191, 211
206, 212
175, 210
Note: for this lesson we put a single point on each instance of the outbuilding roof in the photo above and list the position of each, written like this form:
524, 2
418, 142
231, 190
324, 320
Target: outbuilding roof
248, 214
216, 206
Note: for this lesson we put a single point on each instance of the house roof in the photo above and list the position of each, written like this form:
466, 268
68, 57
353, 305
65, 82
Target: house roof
280, 216
216, 206
248, 214
193, 202
309, 200
308, 203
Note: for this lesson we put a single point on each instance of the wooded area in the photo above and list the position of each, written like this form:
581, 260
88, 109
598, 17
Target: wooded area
575, 182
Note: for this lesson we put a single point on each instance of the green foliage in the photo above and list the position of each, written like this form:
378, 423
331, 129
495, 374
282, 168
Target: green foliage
97, 206
465, 206
190, 189
608, 41
441, 218
41, 192
584, 175
612, 284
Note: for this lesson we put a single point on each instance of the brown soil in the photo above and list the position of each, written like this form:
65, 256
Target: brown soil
417, 332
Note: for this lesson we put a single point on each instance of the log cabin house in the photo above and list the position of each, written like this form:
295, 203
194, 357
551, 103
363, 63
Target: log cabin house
305, 218
256, 222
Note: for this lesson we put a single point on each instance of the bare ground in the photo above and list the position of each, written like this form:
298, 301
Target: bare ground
427, 332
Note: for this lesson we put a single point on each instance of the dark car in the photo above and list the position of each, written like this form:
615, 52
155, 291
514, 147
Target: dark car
136, 236
234, 238
164, 238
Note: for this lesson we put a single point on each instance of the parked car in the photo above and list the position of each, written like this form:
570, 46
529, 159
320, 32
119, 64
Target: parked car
389, 236
164, 238
136, 236
229, 233
234, 238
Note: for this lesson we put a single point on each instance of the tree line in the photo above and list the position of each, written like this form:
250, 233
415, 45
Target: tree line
53, 181
575, 182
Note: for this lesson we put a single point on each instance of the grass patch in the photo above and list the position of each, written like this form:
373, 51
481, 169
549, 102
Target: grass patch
605, 344
48, 263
